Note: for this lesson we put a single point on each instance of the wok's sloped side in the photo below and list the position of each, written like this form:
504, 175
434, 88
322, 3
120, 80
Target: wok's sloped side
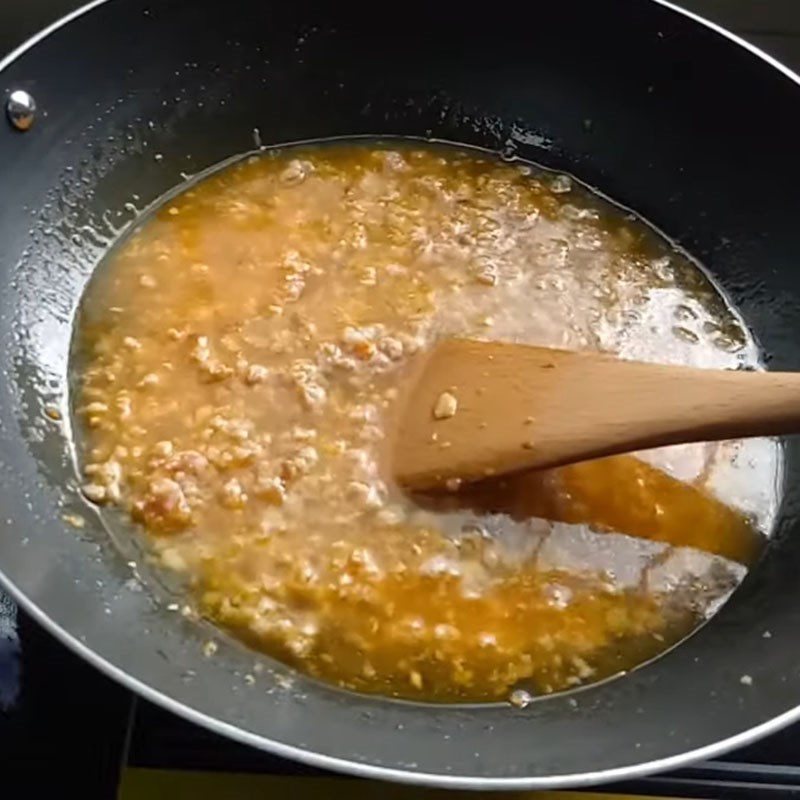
690, 129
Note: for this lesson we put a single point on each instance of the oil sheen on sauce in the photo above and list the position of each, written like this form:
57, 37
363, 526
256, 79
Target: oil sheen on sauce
238, 356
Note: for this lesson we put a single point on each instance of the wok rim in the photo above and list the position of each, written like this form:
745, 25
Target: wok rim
348, 766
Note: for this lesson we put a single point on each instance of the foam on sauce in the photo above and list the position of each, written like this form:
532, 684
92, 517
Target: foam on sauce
238, 357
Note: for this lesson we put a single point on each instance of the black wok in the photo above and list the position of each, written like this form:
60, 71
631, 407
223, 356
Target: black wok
661, 112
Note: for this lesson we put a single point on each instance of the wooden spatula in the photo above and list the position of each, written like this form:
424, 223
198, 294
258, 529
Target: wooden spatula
477, 409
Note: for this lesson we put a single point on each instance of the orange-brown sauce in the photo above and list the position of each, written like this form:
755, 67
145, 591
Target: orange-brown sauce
240, 354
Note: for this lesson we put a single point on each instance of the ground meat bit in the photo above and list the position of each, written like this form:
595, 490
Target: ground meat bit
313, 396
391, 347
163, 449
123, 406
365, 495
306, 377
487, 276
270, 489
246, 453
363, 412
446, 406
232, 495
362, 341
108, 475
296, 172
94, 492
176, 334
293, 286
211, 368
151, 379
369, 276
331, 354
300, 434
256, 374
394, 160
164, 506
237, 428
300, 464
187, 461
75, 520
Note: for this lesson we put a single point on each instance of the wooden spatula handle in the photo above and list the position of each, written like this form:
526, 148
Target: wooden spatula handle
659, 405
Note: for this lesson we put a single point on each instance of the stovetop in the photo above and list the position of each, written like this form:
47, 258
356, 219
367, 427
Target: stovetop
64, 725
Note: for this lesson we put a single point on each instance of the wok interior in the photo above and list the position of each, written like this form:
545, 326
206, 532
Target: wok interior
672, 120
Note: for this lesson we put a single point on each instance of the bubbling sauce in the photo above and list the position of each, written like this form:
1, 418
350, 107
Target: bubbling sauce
238, 357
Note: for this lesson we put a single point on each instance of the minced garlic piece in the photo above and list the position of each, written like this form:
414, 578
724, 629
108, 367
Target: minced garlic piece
446, 406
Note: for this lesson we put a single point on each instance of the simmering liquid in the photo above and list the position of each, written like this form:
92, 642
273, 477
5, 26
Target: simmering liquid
240, 355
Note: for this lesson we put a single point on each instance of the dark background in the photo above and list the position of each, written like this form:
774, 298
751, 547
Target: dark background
773, 25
